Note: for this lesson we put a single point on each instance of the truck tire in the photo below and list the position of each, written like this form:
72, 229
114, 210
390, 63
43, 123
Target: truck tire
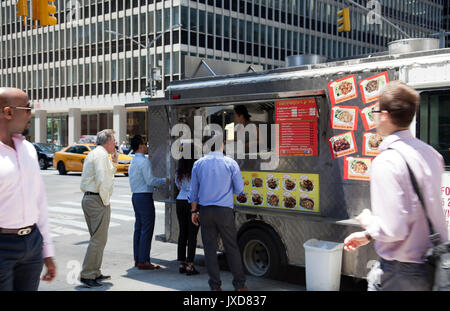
61, 168
261, 254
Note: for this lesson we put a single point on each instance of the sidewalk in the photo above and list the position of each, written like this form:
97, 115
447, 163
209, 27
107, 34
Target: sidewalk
125, 277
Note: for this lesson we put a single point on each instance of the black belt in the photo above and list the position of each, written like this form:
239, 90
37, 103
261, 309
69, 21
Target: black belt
21, 231
91, 193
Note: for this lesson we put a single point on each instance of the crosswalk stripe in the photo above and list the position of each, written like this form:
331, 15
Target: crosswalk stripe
65, 231
74, 211
74, 223
159, 206
120, 201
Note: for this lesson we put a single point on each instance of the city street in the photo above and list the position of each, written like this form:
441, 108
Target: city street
70, 237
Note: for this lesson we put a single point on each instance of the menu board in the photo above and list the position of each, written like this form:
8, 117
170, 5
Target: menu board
288, 191
357, 168
371, 87
342, 90
297, 121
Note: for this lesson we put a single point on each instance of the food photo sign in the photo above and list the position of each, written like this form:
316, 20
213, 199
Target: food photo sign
288, 191
357, 168
342, 145
344, 118
368, 118
372, 86
342, 90
371, 144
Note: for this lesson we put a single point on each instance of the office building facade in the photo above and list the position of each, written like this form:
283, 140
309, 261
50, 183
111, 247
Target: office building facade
80, 75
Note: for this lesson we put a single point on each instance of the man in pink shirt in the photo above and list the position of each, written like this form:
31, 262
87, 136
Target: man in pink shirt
397, 221
25, 243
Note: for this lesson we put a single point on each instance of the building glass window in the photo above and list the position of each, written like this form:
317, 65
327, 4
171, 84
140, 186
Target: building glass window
218, 25
226, 26
234, 28
193, 18
201, 21
210, 23
159, 21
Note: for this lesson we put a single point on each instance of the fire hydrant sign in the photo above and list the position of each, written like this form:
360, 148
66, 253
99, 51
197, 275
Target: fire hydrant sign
297, 121
445, 196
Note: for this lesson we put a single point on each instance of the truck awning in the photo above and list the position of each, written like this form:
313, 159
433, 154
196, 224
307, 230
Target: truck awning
228, 99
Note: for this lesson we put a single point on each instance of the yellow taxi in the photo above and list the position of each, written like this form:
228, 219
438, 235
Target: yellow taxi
71, 159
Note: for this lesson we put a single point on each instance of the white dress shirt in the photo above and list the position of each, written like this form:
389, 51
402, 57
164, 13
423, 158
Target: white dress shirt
397, 222
22, 193
98, 174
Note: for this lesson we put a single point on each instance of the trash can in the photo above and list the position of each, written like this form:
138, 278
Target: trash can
323, 260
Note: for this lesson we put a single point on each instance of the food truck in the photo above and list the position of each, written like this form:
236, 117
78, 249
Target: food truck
312, 176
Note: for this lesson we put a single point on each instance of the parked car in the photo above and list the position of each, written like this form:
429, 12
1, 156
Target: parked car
71, 159
45, 154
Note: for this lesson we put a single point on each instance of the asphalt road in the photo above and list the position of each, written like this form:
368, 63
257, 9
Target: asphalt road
71, 238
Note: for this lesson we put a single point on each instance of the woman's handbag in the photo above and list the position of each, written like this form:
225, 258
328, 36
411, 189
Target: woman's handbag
438, 256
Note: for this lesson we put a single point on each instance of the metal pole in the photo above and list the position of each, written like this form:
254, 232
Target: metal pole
149, 61
442, 38
149, 68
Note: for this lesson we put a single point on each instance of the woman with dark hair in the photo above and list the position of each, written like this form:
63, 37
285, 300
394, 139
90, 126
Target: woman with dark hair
188, 231
241, 116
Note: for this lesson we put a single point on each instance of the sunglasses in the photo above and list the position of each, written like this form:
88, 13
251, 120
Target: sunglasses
27, 108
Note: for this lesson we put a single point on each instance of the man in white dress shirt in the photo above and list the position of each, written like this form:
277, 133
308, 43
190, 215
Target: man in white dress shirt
97, 184
25, 241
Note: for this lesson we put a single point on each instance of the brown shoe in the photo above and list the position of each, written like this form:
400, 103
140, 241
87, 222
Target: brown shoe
216, 289
242, 289
147, 266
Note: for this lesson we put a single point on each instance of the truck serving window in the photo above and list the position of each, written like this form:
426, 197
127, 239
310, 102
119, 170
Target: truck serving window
434, 122
224, 116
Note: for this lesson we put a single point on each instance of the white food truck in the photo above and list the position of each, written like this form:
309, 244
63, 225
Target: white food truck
324, 148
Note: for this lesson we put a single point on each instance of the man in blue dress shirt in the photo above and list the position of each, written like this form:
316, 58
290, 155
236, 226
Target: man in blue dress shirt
142, 184
215, 178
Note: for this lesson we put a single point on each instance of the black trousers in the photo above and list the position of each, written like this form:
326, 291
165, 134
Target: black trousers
188, 232
21, 261
219, 221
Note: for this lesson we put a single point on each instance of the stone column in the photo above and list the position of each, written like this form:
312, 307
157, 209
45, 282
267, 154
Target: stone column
74, 127
120, 123
40, 126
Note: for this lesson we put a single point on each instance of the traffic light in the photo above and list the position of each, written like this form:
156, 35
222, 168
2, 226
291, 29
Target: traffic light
22, 8
45, 13
343, 20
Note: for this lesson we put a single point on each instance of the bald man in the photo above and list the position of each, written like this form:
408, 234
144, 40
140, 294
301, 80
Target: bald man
25, 242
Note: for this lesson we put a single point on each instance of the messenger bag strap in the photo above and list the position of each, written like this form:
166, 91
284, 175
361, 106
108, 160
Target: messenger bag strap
434, 237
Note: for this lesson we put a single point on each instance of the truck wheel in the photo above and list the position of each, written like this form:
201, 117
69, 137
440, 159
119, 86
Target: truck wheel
261, 255
62, 168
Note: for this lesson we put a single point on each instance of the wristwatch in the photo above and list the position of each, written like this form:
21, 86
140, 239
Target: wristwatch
368, 236
194, 212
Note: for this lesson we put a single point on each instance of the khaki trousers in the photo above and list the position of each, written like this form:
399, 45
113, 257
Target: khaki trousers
97, 217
